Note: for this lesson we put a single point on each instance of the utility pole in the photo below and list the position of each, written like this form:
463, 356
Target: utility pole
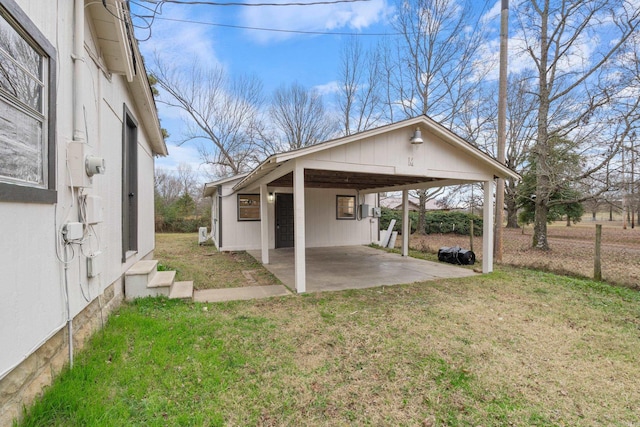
633, 180
502, 126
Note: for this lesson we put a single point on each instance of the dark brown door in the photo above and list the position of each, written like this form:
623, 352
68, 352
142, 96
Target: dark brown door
284, 220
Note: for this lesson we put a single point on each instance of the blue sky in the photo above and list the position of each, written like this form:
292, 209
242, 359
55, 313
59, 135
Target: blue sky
181, 34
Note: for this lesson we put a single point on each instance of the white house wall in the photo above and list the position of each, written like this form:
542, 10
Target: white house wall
237, 235
32, 306
323, 229
321, 226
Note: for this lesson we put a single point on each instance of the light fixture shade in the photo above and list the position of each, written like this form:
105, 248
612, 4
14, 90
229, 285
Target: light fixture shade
417, 137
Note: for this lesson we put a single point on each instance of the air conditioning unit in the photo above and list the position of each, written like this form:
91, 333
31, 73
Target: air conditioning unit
202, 235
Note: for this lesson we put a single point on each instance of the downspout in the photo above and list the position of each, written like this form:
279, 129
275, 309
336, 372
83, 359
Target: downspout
78, 58
78, 134
219, 217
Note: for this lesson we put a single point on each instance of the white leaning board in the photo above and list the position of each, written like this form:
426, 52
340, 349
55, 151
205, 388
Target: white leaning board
386, 235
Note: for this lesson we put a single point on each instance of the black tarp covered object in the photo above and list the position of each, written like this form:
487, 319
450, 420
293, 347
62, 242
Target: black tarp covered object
456, 255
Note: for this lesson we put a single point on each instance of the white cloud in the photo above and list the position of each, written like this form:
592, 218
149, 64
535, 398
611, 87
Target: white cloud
353, 16
176, 42
491, 14
329, 88
182, 154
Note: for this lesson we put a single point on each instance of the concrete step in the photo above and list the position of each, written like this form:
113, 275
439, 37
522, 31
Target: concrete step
162, 279
181, 290
138, 277
142, 267
161, 283
143, 280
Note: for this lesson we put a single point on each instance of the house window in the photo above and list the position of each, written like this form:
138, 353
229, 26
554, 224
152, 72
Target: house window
27, 146
248, 207
345, 207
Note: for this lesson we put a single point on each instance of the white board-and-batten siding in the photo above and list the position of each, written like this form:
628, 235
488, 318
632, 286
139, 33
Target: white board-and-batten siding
391, 153
322, 228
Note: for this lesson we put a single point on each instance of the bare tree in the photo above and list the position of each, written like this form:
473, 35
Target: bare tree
433, 68
170, 185
167, 187
566, 42
221, 113
297, 118
359, 97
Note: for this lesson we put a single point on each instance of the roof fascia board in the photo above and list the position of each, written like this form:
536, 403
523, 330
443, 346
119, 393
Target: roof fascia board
279, 171
265, 163
212, 187
228, 179
120, 22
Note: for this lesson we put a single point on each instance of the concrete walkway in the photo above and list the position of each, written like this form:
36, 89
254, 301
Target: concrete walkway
356, 267
237, 294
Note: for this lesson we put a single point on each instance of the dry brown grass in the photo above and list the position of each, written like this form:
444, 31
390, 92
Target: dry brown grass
516, 347
513, 348
208, 268
572, 250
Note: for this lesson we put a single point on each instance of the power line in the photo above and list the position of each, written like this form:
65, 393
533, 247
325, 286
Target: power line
241, 27
214, 3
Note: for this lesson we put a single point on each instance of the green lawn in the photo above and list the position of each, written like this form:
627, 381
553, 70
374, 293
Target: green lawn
515, 347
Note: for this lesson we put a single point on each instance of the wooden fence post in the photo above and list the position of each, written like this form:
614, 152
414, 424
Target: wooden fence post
471, 235
597, 268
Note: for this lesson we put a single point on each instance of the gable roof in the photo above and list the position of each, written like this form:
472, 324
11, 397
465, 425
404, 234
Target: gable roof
277, 160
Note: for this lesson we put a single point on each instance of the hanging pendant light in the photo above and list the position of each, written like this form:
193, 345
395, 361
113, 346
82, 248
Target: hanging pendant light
417, 137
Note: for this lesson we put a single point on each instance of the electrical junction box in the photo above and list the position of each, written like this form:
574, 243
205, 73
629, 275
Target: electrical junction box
93, 209
77, 172
93, 264
72, 231
377, 212
364, 211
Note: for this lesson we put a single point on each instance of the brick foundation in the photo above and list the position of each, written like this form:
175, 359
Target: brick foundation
25, 383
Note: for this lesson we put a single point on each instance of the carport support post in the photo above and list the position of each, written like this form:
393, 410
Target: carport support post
406, 226
264, 223
487, 228
298, 229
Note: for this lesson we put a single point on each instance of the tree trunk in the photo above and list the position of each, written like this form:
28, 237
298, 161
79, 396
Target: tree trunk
512, 211
543, 180
540, 227
422, 212
511, 204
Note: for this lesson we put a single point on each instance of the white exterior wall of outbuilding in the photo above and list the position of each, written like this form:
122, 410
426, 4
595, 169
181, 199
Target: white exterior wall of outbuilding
322, 228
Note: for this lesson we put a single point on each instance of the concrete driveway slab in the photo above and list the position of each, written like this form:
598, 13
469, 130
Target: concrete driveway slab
356, 267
